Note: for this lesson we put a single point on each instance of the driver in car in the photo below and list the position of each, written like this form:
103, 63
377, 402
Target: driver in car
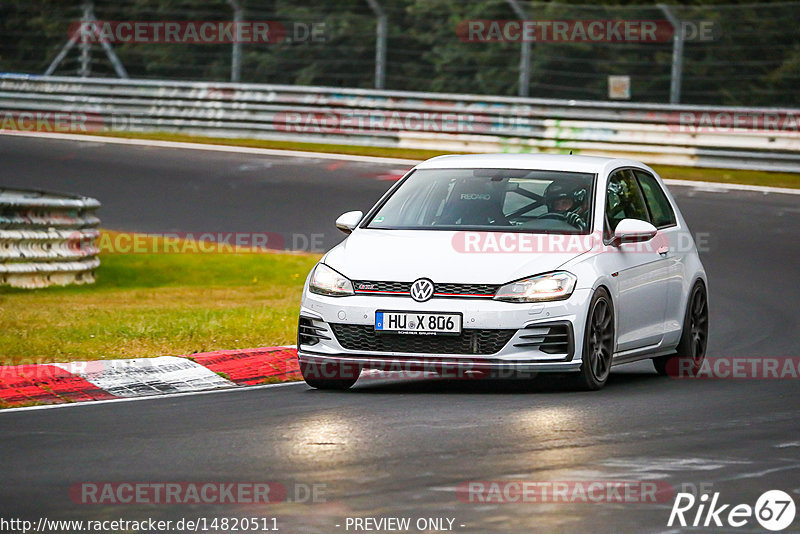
568, 201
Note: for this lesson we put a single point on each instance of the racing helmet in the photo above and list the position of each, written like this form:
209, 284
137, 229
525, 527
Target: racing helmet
560, 190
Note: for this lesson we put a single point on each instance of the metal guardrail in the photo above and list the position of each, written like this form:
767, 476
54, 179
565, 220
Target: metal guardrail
47, 239
726, 137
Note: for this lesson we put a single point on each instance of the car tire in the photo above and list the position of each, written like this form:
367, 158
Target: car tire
691, 349
328, 375
598, 342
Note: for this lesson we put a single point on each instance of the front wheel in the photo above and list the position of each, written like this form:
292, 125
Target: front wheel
691, 350
329, 375
598, 342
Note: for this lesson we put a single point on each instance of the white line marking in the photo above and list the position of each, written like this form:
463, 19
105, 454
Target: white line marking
234, 389
759, 474
211, 147
709, 186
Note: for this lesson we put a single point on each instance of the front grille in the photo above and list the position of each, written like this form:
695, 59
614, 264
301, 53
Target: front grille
439, 289
477, 341
382, 287
550, 338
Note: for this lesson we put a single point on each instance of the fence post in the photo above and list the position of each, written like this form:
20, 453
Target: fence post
524, 53
86, 46
381, 34
236, 48
677, 54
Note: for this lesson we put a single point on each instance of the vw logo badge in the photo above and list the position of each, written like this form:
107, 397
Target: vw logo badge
422, 290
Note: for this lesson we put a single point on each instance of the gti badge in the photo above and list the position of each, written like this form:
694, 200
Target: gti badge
422, 290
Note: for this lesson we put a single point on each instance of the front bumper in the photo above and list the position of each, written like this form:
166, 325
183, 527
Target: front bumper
527, 326
445, 366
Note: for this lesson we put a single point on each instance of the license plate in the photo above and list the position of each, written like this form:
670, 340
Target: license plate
426, 324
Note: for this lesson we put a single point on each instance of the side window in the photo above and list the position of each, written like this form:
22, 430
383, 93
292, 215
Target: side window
660, 209
624, 199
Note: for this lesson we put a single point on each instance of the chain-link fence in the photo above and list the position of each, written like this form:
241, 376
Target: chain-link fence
747, 54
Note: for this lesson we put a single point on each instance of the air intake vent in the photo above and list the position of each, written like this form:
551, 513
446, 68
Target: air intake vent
550, 338
308, 334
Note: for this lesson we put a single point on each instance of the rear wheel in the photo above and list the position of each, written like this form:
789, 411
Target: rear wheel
598, 342
329, 375
691, 350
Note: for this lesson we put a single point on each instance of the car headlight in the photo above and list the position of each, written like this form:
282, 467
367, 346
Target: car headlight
326, 281
551, 286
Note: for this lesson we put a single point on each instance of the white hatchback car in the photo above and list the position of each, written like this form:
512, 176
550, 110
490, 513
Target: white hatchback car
508, 263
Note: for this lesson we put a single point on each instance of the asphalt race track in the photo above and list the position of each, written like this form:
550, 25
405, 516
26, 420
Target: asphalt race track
160, 190
399, 449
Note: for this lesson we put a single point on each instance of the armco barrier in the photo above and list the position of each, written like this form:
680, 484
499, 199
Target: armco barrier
743, 138
47, 238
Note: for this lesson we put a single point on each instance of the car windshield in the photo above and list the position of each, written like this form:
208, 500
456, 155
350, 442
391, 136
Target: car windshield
504, 200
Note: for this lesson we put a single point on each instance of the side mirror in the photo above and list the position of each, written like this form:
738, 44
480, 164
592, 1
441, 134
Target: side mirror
347, 222
633, 231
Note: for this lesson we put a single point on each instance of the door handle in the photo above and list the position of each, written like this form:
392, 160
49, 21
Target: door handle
663, 250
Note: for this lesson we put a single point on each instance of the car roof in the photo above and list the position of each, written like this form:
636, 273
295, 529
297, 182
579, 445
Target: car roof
551, 162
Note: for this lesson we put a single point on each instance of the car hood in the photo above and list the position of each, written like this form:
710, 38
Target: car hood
452, 257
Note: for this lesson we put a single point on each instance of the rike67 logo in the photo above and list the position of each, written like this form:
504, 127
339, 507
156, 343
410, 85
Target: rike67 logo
774, 510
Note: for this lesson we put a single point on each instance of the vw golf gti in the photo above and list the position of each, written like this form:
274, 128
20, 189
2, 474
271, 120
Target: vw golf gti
516, 264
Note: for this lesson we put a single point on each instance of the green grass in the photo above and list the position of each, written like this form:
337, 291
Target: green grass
145, 305
774, 179
730, 176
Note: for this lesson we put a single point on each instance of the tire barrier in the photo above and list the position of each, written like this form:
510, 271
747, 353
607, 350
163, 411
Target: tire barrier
47, 239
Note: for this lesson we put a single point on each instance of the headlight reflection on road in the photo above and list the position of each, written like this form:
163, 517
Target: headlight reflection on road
554, 426
330, 437
556, 420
